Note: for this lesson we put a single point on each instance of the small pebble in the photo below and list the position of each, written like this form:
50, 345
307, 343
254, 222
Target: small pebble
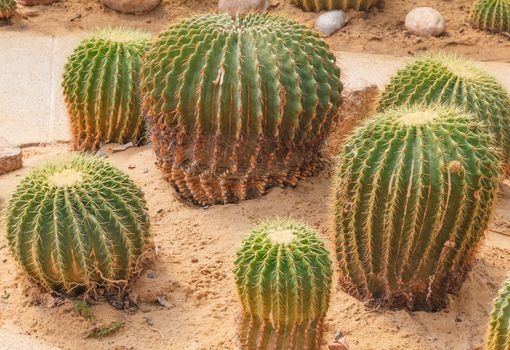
425, 21
330, 22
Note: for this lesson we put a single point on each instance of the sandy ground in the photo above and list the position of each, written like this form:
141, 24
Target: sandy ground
192, 277
378, 31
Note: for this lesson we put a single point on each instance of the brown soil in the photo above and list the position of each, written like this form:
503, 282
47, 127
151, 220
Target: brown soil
378, 31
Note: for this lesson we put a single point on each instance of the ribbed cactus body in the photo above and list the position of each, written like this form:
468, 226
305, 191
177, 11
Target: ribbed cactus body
448, 79
320, 5
239, 105
498, 334
492, 15
101, 85
76, 224
7, 9
414, 190
283, 275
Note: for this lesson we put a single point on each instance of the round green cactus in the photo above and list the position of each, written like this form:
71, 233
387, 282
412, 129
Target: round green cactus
498, 335
452, 80
239, 105
101, 87
414, 191
283, 274
320, 5
7, 9
492, 15
76, 224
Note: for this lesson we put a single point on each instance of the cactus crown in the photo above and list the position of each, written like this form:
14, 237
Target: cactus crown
101, 88
414, 190
78, 223
498, 334
319, 5
492, 15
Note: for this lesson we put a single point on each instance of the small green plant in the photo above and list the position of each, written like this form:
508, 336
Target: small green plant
283, 275
76, 224
7, 9
320, 5
239, 105
491, 15
498, 335
84, 310
413, 193
105, 331
101, 88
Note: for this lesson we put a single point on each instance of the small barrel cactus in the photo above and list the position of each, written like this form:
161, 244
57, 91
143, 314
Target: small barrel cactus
283, 274
7, 9
102, 89
452, 80
414, 191
78, 223
320, 5
491, 15
498, 335
239, 105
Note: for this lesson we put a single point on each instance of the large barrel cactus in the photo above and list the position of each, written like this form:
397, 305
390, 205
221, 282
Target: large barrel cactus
414, 191
101, 85
320, 5
283, 276
239, 105
491, 15
79, 223
449, 79
7, 9
498, 335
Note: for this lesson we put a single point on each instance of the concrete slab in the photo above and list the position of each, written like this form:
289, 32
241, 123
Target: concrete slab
12, 340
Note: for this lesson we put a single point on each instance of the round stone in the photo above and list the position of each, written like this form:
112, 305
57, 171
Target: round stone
425, 21
242, 6
132, 6
330, 22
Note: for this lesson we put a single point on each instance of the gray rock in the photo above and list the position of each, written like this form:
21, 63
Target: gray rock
10, 157
330, 22
132, 6
242, 6
425, 21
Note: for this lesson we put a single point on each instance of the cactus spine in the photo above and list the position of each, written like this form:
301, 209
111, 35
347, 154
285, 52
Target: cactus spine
7, 9
101, 88
283, 274
498, 335
77, 224
491, 15
449, 79
239, 105
320, 5
414, 191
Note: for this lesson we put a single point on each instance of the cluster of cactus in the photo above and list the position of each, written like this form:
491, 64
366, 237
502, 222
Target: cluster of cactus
239, 105
320, 5
7, 9
491, 15
498, 334
76, 224
283, 275
101, 86
442, 78
414, 191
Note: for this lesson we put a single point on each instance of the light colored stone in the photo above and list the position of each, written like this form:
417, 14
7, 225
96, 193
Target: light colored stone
330, 22
425, 21
132, 6
242, 6
11, 157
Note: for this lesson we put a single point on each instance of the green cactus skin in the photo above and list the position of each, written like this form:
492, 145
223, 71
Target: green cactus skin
239, 105
491, 15
450, 79
498, 335
320, 5
7, 9
283, 274
76, 224
414, 190
101, 86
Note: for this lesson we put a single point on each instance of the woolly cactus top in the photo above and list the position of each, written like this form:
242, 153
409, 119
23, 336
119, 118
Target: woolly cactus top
120, 35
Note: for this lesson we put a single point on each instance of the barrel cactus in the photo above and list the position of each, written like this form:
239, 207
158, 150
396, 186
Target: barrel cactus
450, 79
78, 223
491, 15
283, 274
102, 88
498, 335
238, 105
7, 9
320, 5
414, 191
